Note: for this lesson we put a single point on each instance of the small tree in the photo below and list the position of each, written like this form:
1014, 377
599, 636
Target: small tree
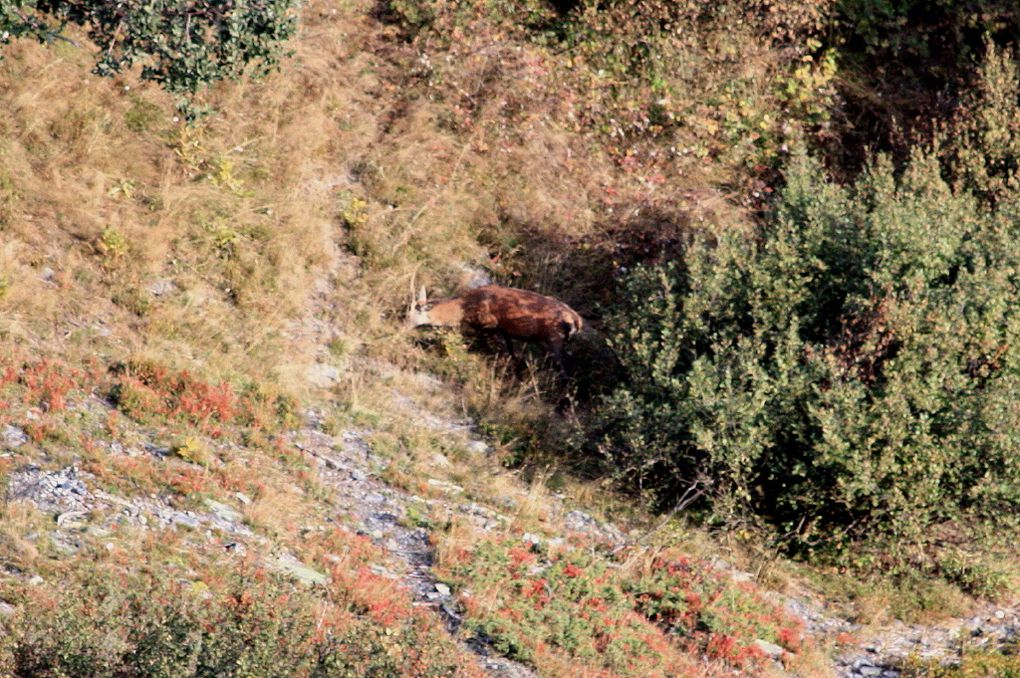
183, 45
849, 369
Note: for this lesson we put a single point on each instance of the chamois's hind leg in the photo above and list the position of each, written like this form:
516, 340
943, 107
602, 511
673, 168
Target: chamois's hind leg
508, 344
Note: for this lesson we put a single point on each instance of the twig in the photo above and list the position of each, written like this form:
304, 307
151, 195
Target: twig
690, 495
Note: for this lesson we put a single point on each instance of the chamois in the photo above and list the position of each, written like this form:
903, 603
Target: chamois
505, 311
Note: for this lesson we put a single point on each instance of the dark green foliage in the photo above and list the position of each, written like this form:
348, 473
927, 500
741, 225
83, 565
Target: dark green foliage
851, 367
934, 36
181, 45
906, 66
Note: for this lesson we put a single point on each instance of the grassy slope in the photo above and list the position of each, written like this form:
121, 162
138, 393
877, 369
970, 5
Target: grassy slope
285, 232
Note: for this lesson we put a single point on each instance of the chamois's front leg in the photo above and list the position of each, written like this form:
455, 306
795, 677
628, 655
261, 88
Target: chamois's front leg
556, 349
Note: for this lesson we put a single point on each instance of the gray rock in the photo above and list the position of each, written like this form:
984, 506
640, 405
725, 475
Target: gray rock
12, 436
51, 491
322, 375
442, 485
185, 520
157, 451
741, 576
375, 498
70, 516
581, 521
6, 609
442, 589
65, 545
162, 287
869, 671
223, 511
473, 276
385, 518
477, 447
532, 539
243, 498
288, 564
770, 649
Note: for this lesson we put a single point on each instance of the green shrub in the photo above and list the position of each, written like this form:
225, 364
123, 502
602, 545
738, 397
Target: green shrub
248, 624
985, 150
850, 368
182, 46
920, 35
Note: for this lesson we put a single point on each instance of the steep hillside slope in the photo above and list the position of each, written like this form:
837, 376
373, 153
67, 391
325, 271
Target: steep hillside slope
224, 454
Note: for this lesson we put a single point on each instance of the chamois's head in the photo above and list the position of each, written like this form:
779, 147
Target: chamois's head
438, 312
418, 311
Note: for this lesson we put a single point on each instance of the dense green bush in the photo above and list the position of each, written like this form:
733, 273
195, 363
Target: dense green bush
922, 35
851, 367
984, 153
181, 45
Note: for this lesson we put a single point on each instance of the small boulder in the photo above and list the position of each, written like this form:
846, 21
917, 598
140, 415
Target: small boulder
769, 649
12, 436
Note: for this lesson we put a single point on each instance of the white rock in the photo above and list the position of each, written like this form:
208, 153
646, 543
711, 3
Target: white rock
442, 485
162, 287
769, 649
322, 375
477, 447
12, 436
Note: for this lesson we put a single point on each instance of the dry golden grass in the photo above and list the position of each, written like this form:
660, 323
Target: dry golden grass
298, 213
291, 225
18, 519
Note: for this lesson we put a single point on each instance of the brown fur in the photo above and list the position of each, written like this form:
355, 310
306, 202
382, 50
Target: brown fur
508, 312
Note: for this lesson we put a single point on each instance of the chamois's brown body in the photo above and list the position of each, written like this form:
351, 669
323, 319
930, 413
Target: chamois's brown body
508, 312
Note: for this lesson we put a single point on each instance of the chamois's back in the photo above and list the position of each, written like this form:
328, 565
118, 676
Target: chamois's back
509, 312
